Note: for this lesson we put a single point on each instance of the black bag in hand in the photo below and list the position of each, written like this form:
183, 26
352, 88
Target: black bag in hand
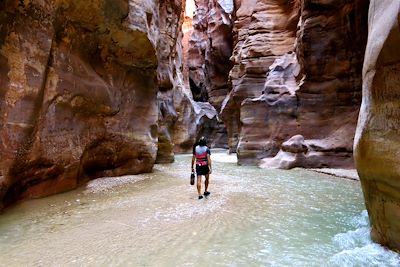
192, 178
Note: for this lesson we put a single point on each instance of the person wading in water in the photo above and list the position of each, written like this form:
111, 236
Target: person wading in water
201, 155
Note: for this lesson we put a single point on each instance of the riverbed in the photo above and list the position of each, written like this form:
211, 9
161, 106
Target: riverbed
253, 217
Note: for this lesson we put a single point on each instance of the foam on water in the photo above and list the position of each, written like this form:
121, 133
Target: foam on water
357, 248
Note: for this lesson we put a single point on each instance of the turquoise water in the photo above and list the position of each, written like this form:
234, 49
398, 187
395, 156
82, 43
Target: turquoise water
253, 217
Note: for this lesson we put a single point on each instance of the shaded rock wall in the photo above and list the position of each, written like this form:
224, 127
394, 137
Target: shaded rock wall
210, 48
263, 31
181, 120
169, 74
377, 141
78, 91
320, 102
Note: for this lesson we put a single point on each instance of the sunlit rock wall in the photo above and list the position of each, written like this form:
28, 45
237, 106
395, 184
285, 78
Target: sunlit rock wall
319, 99
78, 93
377, 141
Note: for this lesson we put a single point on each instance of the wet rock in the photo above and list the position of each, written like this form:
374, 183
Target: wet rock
292, 154
377, 146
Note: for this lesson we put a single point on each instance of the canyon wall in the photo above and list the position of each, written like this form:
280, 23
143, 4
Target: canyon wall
377, 140
208, 63
210, 48
297, 69
78, 94
263, 31
182, 121
169, 75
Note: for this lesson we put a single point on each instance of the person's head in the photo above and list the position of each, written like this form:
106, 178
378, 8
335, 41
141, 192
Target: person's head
202, 141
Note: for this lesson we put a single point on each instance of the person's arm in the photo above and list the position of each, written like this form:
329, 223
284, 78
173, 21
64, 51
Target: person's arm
209, 162
193, 159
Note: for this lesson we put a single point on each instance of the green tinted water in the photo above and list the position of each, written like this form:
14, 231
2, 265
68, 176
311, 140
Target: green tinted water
253, 217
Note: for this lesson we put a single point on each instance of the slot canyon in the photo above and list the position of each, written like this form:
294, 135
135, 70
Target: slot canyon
106, 88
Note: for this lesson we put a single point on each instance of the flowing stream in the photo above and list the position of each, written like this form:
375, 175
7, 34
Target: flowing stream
253, 217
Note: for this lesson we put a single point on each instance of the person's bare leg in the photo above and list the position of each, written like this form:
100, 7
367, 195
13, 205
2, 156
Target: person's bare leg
199, 185
206, 182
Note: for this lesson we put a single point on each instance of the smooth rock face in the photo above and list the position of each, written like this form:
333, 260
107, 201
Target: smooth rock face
78, 93
377, 141
318, 100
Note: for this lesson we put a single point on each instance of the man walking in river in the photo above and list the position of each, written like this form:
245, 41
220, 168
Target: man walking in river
201, 155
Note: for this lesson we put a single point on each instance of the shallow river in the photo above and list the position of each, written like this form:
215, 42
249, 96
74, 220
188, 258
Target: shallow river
253, 217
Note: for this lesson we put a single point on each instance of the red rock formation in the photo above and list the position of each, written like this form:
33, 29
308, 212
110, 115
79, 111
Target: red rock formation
377, 143
78, 95
210, 48
187, 29
323, 106
270, 119
169, 74
264, 30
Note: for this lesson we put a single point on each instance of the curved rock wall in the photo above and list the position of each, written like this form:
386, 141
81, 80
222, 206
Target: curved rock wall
169, 75
263, 30
320, 100
210, 48
181, 120
377, 141
78, 96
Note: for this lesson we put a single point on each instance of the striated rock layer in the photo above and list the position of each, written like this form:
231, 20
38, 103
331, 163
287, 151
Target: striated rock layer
312, 87
181, 120
263, 30
210, 48
169, 75
377, 141
78, 92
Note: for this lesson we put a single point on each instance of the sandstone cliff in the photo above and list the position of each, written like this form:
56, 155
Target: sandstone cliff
79, 91
210, 48
297, 71
263, 31
182, 121
377, 141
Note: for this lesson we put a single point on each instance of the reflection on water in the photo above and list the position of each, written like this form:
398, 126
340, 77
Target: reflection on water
253, 217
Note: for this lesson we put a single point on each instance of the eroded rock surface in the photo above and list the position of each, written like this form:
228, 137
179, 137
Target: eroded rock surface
263, 31
78, 93
377, 141
170, 80
321, 98
181, 120
210, 48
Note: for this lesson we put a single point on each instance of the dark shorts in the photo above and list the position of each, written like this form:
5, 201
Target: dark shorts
202, 170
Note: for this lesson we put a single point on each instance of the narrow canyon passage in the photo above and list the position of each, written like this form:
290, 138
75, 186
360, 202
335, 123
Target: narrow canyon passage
253, 217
